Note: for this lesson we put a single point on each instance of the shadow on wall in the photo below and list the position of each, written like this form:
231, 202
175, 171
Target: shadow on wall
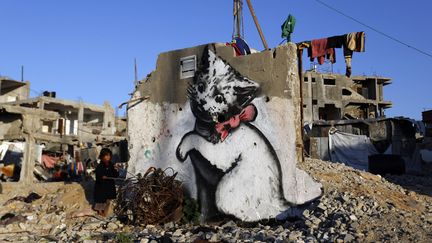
88, 186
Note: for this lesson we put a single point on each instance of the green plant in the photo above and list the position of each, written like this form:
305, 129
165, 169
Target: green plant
123, 238
191, 210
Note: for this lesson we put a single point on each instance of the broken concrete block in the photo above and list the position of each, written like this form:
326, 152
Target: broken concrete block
235, 140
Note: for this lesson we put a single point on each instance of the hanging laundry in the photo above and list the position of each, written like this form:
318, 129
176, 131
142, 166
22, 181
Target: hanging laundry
49, 161
319, 50
336, 41
303, 45
80, 167
325, 47
354, 42
288, 27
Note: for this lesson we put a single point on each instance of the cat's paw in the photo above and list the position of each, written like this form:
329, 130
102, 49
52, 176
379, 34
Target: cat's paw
182, 151
214, 138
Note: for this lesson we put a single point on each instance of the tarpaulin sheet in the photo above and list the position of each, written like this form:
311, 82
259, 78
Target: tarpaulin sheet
352, 150
11, 153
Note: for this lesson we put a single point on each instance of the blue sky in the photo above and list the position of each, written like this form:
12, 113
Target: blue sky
85, 49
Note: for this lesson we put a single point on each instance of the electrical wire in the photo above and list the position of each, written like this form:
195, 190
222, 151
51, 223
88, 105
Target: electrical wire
38, 93
374, 29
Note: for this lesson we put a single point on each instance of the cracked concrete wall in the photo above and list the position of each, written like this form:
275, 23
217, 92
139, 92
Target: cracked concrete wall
163, 126
10, 124
275, 71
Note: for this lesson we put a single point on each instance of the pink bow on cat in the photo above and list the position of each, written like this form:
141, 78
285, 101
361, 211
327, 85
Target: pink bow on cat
248, 114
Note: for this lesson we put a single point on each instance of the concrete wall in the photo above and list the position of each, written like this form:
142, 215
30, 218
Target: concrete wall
9, 124
254, 162
11, 90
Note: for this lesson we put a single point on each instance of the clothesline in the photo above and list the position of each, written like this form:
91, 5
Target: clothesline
375, 29
325, 48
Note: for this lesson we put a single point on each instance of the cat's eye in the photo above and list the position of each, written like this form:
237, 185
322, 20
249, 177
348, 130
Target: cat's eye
219, 98
201, 87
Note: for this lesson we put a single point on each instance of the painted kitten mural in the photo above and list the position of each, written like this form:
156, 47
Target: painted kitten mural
231, 157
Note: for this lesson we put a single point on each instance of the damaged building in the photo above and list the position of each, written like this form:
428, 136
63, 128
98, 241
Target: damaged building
79, 121
344, 115
345, 122
52, 138
13, 90
329, 96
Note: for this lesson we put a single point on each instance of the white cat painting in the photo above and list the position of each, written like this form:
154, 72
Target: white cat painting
232, 158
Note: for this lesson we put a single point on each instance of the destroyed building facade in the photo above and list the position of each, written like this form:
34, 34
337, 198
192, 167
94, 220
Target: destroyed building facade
36, 133
78, 120
346, 121
330, 96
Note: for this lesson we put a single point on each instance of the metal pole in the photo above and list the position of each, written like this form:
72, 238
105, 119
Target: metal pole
237, 17
22, 73
136, 72
257, 24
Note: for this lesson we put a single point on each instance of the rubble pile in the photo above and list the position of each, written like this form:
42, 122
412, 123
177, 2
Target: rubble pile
355, 207
361, 206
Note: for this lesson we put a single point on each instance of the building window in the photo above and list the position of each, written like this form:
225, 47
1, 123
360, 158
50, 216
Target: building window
346, 92
187, 67
329, 112
329, 81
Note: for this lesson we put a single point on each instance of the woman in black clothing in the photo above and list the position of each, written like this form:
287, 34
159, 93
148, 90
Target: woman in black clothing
104, 189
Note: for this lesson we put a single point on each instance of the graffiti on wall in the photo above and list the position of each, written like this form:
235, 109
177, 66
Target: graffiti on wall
236, 168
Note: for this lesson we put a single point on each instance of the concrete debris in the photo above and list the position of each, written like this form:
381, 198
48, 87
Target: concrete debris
352, 209
29, 199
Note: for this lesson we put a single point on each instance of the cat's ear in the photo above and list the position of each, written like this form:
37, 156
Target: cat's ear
205, 62
246, 90
212, 64
217, 66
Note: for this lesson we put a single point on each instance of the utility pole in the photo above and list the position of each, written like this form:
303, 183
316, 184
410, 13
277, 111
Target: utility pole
257, 24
